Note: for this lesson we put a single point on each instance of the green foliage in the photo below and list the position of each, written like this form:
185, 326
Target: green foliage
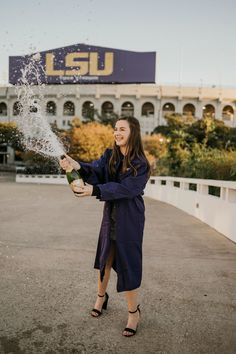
107, 119
162, 167
156, 145
177, 121
211, 133
11, 136
38, 164
163, 130
90, 115
207, 131
210, 164
205, 148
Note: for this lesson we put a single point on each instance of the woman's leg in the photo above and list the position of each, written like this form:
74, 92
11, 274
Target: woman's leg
132, 303
102, 286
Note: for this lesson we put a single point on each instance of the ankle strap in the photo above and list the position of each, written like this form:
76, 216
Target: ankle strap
135, 310
101, 295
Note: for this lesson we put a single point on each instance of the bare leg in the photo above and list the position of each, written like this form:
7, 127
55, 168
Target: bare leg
102, 286
132, 303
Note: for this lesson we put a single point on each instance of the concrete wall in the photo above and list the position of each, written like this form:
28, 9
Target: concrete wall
218, 212
45, 179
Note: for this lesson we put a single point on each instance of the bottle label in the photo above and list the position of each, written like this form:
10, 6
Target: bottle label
78, 182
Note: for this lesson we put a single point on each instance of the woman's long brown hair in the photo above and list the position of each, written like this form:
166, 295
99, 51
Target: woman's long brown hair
134, 149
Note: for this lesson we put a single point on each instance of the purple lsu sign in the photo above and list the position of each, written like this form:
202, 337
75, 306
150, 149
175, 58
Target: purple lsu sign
82, 63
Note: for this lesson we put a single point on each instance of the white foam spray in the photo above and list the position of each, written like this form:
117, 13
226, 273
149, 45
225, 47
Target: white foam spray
31, 120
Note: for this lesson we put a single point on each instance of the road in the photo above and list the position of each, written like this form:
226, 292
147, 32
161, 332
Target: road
48, 240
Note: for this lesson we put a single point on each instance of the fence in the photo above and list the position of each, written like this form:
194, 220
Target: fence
211, 201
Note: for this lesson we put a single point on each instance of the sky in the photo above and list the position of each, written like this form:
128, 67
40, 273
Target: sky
194, 40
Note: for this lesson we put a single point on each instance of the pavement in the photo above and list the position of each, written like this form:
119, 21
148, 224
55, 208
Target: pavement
48, 240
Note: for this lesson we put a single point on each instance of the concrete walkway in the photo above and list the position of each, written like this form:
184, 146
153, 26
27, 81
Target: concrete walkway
48, 240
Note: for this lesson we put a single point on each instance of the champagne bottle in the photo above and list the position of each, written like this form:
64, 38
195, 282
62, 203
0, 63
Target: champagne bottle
73, 175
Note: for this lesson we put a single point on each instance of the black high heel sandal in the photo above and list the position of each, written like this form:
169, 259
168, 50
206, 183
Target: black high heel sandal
104, 306
131, 330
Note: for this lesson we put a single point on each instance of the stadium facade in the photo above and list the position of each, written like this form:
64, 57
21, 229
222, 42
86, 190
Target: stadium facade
149, 103
85, 81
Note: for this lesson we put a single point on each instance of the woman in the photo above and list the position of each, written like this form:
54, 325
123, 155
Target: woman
118, 178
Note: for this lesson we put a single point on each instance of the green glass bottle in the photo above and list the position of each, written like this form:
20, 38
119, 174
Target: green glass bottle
73, 175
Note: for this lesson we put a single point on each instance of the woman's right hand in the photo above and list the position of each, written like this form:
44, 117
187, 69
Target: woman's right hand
67, 163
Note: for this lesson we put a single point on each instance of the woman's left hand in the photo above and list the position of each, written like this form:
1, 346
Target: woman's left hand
84, 191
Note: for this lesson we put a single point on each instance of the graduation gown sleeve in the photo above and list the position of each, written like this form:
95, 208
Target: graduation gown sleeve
95, 172
129, 187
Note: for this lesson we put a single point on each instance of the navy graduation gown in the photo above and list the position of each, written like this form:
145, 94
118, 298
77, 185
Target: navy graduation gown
126, 192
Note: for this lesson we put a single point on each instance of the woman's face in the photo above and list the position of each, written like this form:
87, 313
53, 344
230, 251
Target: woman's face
121, 133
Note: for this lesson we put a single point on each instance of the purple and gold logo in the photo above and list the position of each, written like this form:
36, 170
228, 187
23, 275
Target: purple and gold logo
82, 63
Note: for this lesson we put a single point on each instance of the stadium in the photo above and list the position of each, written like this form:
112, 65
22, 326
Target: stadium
86, 81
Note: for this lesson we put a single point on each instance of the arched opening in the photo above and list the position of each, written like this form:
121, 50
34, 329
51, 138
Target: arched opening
208, 111
107, 108
228, 113
16, 108
127, 109
51, 108
88, 110
33, 109
189, 110
147, 109
3, 109
168, 108
68, 108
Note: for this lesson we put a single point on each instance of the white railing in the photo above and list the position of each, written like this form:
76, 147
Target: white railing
195, 197
46, 179
188, 194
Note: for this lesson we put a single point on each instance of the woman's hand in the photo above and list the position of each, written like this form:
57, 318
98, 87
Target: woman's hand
68, 163
83, 191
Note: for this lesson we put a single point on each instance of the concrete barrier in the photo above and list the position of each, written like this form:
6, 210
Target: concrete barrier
194, 196
211, 201
47, 179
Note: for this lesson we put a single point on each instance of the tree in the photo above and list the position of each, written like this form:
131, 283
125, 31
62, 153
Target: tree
92, 115
209, 132
200, 149
89, 141
155, 147
155, 144
210, 163
108, 118
10, 135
